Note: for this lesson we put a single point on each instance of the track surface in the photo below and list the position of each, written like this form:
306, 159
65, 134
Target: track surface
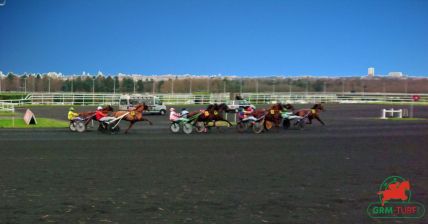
318, 175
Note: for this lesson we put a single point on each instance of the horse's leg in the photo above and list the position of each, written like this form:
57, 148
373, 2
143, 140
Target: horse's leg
145, 119
87, 122
131, 123
309, 120
319, 119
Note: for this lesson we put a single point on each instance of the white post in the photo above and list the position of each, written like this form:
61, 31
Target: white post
383, 114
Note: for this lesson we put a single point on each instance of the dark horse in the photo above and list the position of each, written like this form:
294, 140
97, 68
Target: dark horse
213, 113
312, 113
134, 115
272, 114
91, 114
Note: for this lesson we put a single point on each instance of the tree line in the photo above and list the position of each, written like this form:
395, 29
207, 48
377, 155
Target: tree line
110, 84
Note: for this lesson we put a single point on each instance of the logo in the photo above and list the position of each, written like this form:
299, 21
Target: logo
2, 2
416, 97
394, 200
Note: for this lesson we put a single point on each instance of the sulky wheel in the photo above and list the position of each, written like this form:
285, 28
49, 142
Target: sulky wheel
80, 126
112, 129
187, 128
200, 127
301, 124
174, 127
258, 127
72, 127
241, 126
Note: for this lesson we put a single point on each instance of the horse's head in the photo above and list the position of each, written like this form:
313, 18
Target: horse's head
405, 185
222, 107
108, 108
318, 106
288, 107
141, 107
277, 106
211, 107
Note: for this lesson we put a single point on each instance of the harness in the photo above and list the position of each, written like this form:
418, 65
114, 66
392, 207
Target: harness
132, 114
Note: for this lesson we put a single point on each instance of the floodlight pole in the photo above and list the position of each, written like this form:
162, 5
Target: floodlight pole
114, 85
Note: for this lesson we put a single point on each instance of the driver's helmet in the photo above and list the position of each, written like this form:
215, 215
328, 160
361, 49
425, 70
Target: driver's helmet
71, 109
171, 109
99, 108
184, 111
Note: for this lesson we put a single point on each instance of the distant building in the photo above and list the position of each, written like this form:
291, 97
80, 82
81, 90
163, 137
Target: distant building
370, 72
395, 74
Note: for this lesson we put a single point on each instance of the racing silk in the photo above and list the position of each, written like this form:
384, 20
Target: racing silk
99, 114
173, 116
248, 112
184, 113
72, 115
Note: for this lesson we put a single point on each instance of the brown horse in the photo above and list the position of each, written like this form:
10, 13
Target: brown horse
273, 114
134, 115
91, 114
312, 113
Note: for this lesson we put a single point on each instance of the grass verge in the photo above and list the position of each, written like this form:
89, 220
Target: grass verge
405, 119
7, 113
400, 103
41, 123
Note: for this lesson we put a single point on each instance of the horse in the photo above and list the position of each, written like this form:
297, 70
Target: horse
272, 115
213, 113
312, 113
395, 191
289, 107
133, 115
91, 114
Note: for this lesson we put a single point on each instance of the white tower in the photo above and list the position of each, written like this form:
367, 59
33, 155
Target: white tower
370, 72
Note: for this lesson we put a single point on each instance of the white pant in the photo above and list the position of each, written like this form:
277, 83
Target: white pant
106, 119
252, 118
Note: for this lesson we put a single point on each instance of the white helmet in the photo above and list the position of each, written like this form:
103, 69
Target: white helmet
99, 108
171, 109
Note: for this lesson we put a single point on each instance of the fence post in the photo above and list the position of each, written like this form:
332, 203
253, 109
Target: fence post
383, 114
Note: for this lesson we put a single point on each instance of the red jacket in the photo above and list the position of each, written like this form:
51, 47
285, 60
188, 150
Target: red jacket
99, 114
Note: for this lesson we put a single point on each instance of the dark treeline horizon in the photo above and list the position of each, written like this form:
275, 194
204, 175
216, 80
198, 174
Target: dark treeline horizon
189, 84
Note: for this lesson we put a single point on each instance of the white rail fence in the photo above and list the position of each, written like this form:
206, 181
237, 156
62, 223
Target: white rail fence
391, 113
113, 99
255, 98
333, 97
7, 107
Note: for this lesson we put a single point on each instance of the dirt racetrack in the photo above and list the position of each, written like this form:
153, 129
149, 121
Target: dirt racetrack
323, 174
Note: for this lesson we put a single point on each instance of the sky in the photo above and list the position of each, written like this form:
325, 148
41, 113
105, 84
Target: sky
228, 37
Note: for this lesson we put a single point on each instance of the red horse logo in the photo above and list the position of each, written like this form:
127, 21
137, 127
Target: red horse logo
395, 190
